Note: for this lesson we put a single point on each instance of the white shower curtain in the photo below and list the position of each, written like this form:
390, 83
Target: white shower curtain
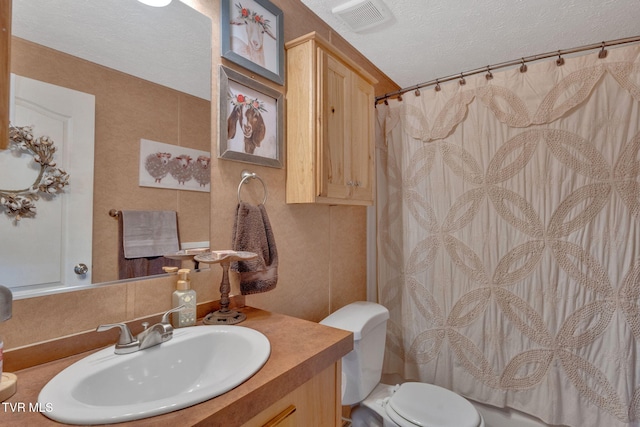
509, 238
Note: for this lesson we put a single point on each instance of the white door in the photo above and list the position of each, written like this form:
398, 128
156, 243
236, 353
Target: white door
41, 252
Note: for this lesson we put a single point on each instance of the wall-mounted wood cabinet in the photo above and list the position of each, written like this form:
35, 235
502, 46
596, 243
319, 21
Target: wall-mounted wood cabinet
330, 125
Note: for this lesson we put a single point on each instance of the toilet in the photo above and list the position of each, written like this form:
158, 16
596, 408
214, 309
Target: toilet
409, 404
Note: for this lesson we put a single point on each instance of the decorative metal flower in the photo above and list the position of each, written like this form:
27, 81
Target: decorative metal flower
19, 204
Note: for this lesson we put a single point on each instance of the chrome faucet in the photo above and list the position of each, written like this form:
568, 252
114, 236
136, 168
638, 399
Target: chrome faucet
149, 337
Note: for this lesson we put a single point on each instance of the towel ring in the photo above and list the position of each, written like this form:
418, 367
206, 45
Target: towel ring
246, 175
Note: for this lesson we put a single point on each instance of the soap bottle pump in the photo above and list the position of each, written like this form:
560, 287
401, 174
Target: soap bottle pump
186, 296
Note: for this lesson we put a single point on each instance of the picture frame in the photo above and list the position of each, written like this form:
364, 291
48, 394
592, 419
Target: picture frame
251, 121
163, 165
252, 36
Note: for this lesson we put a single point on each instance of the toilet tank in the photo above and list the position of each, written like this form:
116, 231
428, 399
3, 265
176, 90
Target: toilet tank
362, 367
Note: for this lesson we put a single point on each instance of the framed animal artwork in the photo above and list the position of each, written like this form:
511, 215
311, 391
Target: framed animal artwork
252, 36
170, 166
251, 121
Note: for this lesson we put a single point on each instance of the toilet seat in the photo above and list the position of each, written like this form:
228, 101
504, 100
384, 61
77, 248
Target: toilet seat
426, 405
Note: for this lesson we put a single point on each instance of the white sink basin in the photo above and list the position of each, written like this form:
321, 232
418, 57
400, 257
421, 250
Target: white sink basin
199, 363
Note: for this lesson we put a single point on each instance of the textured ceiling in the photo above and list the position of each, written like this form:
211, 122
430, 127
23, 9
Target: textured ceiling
425, 40
429, 39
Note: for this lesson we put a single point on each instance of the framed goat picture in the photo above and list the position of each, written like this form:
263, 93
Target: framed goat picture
253, 36
251, 118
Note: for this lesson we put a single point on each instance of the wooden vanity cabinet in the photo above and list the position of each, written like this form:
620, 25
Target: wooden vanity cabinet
315, 403
330, 125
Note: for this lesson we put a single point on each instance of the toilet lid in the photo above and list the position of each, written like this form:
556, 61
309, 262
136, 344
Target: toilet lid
427, 405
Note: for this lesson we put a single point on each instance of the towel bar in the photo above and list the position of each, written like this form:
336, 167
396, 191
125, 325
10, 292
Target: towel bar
246, 175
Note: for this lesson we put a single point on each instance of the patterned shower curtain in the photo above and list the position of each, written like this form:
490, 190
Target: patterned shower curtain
508, 218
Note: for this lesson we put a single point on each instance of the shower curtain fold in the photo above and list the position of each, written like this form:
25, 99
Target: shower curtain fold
508, 217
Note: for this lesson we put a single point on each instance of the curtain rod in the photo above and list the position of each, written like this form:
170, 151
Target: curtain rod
522, 62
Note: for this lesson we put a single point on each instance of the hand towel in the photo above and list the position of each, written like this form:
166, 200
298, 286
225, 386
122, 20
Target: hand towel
149, 233
252, 233
129, 268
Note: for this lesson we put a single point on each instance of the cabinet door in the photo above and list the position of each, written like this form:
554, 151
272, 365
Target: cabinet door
336, 128
314, 403
362, 140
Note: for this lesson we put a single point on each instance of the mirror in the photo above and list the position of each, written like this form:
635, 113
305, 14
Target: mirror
149, 70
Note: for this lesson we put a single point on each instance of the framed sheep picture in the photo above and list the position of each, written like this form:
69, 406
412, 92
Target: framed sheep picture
252, 36
251, 117
171, 166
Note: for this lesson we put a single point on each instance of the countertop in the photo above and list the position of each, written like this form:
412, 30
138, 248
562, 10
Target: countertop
299, 350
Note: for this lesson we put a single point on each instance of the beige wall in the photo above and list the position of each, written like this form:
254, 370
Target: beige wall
321, 248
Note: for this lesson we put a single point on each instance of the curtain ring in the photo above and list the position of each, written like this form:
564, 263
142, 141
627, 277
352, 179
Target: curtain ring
462, 80
386, 102
489, 74
400, 97
437, 88
417, 92
603, 52
523, 67
560, 60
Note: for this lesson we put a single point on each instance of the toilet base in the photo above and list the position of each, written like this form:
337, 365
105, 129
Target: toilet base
364, 417
370, 412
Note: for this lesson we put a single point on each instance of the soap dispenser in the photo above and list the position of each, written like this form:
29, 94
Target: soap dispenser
186, 296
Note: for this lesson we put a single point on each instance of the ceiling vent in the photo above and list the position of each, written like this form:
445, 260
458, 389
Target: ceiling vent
361, 15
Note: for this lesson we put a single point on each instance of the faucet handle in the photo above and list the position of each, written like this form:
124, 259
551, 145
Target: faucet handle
125, 334
165, 316
126, 343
